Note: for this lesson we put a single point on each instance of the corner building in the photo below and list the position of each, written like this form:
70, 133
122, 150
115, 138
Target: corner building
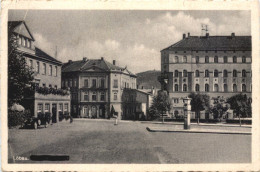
47, 74
213, 65
96, 87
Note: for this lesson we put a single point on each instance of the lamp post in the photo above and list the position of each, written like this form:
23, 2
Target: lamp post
187, 110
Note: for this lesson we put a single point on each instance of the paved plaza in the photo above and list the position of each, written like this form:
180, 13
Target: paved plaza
100, 141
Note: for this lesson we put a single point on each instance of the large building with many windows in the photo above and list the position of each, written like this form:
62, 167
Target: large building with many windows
215, 65
48, 96
96, 87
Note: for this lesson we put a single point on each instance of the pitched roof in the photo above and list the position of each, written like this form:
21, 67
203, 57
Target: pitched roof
212, 43
73, 66
14, 24
40, 53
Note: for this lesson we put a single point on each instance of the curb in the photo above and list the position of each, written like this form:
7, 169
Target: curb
152, 129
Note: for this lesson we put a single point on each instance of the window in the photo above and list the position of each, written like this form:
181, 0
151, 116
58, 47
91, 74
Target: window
206, 73
197, 73
115, 96
66, 83
176, 100
207, 87
102, 96
216, 87
216, 59
38, 67
23, 41
176, 73
29, 43
55, 71
225, 88
44, 69
243, 73
243, 87
20, 40
50, 70
184, 87
234, 59
184, 59
176, 88
66, 107
176, 59
197, 87
31, 63
185, 73
94, 83
234, 73
197, 59
243, 59
39, 108
60, 107
86, 97
94, 96
234, 88
215, 73
70, 83
206, 59
225, 73
115, 83
86, 83
102, 83
225, 59
47, 107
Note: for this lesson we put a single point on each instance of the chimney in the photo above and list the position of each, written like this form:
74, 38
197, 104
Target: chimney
84, 59
233, 35
188, 34
114, 62
184, 36
207, 35
102, 58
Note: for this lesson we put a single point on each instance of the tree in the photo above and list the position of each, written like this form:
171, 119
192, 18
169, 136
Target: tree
199, 102
20, 75
241, 104
219, 107
161, 104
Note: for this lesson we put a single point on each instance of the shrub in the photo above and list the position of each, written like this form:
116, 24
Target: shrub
16, 118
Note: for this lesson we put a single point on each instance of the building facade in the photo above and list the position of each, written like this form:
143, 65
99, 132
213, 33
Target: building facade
136, 102
48, 96
96, 86
213, 65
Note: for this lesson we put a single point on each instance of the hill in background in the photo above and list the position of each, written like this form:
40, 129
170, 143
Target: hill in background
148, 79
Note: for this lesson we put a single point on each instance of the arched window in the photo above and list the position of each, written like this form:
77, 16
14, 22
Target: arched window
243, 59
234, 73
197, 87
184, 59
225, 73
176, 59
184, 87
215, 73
197, 59
234, 88
206, 73
176, 88
243, 73
206, 87
225, 59
207, 59
216, 59
197, 73
225, 88
234, 59
244, 87
176, 73
216, 87
185, 74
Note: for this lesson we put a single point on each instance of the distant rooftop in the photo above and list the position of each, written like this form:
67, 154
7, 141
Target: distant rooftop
207, 42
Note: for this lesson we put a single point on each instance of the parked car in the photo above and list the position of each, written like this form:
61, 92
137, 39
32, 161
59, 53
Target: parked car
41, 119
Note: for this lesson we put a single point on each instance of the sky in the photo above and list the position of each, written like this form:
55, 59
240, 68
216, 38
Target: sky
133, 38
